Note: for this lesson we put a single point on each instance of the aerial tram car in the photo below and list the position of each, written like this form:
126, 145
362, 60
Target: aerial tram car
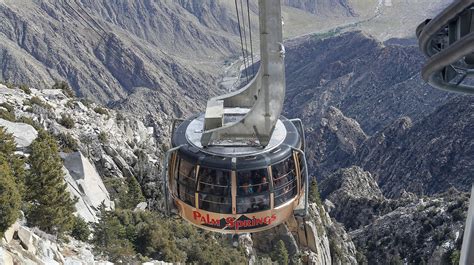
240, 167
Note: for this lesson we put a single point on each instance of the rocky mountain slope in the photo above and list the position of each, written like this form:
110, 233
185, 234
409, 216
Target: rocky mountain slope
411, 229
114, 51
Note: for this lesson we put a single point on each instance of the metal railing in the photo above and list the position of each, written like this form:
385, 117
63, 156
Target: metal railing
448, 41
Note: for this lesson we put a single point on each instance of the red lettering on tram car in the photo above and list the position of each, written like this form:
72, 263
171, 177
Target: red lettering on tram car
233, 223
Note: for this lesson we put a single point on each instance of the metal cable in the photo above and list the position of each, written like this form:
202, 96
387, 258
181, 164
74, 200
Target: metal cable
85, 20
91, 18
250, 35
245, 40
240, 33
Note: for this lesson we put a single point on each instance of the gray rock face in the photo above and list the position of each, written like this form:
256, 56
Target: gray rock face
118, 51
368, 81
112, 146
420, 136
24, 133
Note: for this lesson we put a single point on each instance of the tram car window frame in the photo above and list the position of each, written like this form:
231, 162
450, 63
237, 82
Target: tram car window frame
285, 181
186, 181
215, 190
302, 170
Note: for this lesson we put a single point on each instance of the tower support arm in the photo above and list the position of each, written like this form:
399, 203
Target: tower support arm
266, 92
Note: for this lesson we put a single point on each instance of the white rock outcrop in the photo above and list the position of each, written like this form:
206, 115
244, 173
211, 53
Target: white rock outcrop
85, 183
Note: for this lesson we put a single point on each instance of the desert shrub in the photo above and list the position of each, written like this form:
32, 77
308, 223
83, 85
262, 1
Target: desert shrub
280, 254
16, 163
101, 111
70, 104
86, 102
7, 112
67, 143
119, 117
66, 121
25, 89
125, 234
30, 121
10, 199
9, 85
314, 195
64, 87
132, 196
37, 101
102, 137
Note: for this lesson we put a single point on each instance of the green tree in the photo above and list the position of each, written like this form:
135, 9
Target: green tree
133, 196
110, 237
10, 199
313, 195
455, 257
15, 162
52, 207
80, 229
280, 254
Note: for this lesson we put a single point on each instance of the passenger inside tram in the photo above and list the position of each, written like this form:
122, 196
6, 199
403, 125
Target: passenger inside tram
253, 192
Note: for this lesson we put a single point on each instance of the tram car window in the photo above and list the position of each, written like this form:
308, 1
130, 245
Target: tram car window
186, 182
253, 191
284, 181
215, 190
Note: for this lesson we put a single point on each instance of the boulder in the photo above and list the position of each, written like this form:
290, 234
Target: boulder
28, 239
8, 235
24, 133
141, 206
